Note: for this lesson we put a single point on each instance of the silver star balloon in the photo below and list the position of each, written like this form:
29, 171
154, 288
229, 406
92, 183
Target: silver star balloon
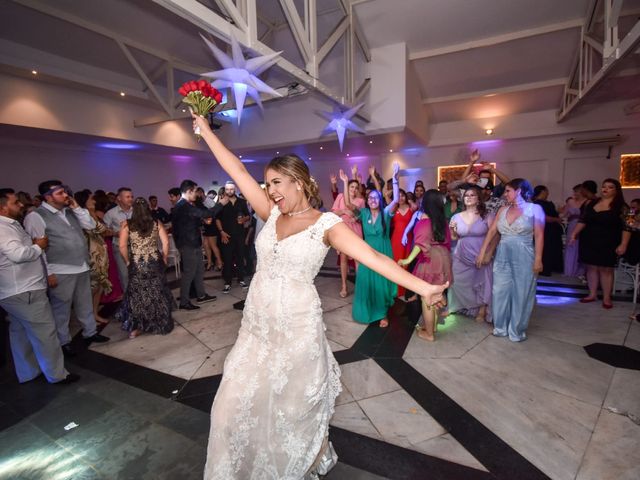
340, 121
240, 74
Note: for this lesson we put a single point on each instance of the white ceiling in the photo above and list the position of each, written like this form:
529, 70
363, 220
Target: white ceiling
473, 58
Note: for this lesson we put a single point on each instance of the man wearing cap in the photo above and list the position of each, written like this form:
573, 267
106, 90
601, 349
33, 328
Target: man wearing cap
66, 261
230, 222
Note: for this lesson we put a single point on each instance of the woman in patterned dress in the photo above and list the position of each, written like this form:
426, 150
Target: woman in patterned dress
148, 302
98, 258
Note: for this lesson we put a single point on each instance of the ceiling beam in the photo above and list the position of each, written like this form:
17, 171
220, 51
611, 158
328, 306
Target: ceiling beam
300, 34
233, 12
556, 82
209, 21
496, 39
586, 80
335, 36
49, 9
134, 63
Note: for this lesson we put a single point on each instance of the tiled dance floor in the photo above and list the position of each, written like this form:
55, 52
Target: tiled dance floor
564, 405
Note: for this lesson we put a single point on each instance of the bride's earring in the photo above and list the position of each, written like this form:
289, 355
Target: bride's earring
299, 188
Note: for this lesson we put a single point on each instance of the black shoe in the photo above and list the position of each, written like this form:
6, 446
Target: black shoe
71, 378
206, 298
189, 306
68, 351
243, 284
97, 338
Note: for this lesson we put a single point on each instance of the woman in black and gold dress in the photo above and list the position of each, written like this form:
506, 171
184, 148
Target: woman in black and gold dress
147, 302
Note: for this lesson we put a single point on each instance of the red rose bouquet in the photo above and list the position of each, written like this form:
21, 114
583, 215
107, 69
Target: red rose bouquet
200, 96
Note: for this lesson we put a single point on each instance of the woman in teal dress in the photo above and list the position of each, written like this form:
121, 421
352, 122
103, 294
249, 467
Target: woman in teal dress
374, 294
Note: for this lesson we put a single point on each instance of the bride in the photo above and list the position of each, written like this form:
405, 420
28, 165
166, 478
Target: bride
270, 417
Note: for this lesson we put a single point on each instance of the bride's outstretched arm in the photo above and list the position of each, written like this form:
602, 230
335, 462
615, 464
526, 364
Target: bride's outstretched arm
345, 241
236, 169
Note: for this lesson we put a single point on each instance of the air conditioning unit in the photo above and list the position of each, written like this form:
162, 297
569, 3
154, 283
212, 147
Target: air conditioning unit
594, 141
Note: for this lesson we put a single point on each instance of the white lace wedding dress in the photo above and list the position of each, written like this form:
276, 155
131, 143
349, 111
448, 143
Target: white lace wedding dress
270, 417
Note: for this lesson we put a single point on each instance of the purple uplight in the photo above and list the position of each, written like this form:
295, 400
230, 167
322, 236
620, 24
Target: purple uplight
486, 143
247, 160
553, 300
182, 158
119, 146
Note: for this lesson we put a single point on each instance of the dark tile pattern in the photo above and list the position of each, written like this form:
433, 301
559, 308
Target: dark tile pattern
615, 355
136, 422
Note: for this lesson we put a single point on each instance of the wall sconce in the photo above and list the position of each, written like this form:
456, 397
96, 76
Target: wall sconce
489, 131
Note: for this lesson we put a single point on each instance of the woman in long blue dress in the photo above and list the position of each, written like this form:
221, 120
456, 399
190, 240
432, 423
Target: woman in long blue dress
374, 294
517, 261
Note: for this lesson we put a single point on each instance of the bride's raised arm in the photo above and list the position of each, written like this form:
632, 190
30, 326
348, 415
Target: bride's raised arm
236, 169
345, 241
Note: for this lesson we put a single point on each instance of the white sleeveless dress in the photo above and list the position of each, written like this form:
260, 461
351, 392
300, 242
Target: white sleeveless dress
270, 417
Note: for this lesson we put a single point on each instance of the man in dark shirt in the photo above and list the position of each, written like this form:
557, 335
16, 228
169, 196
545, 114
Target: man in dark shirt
158, 213
186, 222
230, 221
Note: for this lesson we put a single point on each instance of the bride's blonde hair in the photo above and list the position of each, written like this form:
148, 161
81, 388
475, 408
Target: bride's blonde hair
294, 167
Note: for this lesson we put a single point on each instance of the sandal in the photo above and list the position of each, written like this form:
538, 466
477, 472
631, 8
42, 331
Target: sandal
344, 293
133, 334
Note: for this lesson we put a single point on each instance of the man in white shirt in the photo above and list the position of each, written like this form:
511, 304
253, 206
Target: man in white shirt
113, 219
23, 294
67, 260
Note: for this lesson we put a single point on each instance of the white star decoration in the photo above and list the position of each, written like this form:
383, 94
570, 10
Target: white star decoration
340, 122
240, 74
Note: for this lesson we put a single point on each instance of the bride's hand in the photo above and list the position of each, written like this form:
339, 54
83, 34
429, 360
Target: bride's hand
200, 121
432, 294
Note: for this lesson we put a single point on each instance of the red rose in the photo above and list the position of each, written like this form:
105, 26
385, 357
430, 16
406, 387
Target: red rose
206, 90
186, 86
202, 84
218, 97
182, 91
193, 85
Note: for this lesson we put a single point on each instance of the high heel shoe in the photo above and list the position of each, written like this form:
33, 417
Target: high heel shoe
587, 300
607, 306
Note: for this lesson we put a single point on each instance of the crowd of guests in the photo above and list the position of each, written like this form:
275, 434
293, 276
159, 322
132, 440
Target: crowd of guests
62, 252
490, 242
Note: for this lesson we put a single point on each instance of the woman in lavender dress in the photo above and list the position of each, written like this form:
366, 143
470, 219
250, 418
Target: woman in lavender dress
571, 211
470, 294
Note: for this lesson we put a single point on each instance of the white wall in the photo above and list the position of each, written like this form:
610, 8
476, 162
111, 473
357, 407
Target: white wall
25, 166
541, 160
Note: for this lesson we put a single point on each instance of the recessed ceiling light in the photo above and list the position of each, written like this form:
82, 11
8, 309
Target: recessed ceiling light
321, 148
390, 150
277, 153
489, 131
309, 158
122, 94
239, 156
370, 141
34, 72
347, 154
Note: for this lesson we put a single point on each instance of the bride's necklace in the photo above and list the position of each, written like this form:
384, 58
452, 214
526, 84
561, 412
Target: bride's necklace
291, 214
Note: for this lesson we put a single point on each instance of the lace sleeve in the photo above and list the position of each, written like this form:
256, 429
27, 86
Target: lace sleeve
328, 220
